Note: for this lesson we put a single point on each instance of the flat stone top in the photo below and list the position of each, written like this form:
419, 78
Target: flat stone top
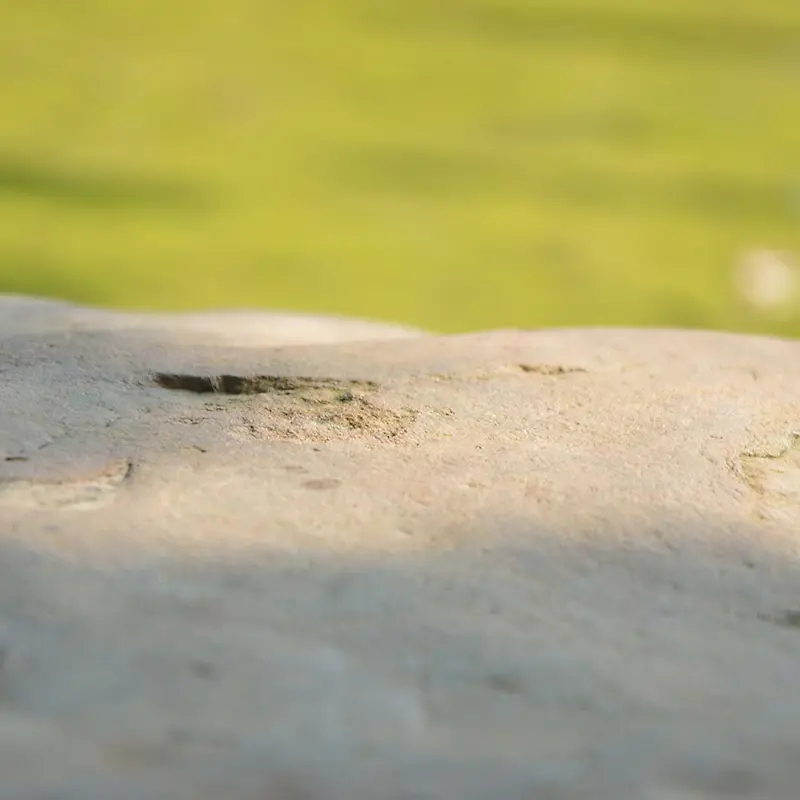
513, 564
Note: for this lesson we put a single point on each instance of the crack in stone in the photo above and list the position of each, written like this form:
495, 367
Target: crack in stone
299, 407
254, 384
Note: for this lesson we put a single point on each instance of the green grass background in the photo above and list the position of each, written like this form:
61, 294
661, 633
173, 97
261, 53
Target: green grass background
456, 164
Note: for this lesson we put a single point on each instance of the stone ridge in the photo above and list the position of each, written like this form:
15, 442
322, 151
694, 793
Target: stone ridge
20, 314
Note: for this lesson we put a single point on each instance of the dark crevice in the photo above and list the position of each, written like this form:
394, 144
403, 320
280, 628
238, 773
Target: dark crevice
255, 384
550, 369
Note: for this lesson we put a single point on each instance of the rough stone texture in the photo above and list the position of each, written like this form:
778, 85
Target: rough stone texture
512, 565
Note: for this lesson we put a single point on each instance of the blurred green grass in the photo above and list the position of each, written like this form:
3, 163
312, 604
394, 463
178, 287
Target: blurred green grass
456, 164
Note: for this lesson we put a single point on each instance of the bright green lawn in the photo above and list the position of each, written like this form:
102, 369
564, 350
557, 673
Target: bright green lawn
456, 164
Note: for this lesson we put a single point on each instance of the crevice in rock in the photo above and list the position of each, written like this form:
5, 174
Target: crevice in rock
550, 369
297, 407
255, 384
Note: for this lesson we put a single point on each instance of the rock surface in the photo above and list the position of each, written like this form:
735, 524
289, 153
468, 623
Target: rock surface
518, 565
20, 315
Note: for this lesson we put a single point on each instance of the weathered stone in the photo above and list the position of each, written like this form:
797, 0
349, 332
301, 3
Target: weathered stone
519, 564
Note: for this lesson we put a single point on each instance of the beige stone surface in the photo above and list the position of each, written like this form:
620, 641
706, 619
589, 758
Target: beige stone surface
518, 565
20, 314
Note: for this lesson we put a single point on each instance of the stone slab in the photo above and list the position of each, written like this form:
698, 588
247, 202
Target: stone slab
514, 564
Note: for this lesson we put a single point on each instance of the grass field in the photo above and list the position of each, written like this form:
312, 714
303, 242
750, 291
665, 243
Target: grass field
456, 164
